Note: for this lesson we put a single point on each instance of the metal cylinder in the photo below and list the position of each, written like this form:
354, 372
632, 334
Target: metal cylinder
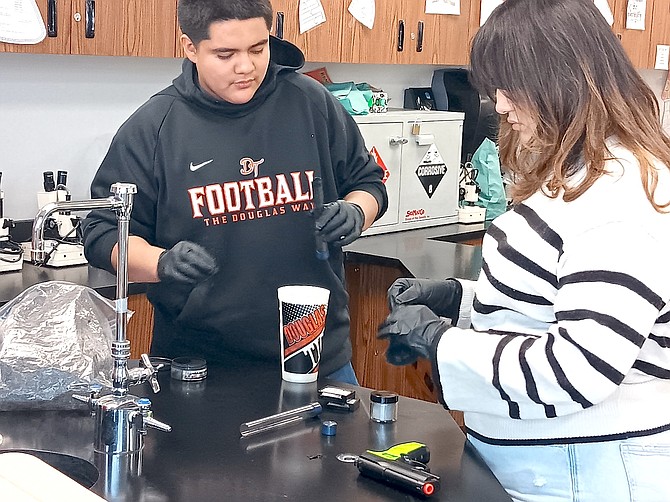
118, 425
124, 192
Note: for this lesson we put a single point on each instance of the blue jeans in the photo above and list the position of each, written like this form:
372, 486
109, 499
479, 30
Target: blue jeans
345, 375
630, 470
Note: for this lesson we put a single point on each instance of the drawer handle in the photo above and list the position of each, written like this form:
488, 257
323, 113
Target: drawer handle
401, 35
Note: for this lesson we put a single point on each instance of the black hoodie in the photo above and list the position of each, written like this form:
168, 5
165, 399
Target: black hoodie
237, 180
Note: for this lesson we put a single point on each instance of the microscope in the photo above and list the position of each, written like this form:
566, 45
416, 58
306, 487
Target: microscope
11, 253
468, 190
62, 231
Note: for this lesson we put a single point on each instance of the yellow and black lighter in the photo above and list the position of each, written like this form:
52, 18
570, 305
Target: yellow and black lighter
403, 465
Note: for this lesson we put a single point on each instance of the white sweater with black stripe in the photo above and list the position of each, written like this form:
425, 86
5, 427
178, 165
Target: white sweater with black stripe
570, 333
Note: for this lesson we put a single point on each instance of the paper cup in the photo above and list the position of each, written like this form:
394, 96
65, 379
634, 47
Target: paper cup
302, 321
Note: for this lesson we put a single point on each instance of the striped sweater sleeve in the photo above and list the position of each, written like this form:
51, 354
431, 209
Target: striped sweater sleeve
559, 321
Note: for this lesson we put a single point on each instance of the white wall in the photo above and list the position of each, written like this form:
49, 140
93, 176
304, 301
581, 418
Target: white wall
60, 112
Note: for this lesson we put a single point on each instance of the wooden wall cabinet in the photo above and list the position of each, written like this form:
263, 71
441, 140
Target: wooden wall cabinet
439, 39
660, 28
127, 28
453, 34
636, 43
404, 34
107, 28
424, 38
641, 45
50, 45
150, 28
322, 43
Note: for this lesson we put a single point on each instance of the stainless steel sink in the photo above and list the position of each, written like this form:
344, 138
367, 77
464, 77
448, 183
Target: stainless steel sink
80, 470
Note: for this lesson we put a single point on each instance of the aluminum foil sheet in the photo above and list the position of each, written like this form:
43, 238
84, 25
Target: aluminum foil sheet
55, 338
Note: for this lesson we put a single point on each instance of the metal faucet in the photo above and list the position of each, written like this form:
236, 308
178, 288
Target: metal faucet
121, 419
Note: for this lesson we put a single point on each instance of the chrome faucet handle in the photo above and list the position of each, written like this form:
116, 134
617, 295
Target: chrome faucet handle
94, 391
153, 380
148, 419
157, 424
145, 373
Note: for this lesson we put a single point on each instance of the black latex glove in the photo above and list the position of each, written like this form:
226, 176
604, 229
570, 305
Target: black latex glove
442, 297
340, 222
413, 331
186, 263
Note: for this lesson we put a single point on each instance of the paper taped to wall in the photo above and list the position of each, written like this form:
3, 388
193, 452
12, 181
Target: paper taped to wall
605, 10
452, 7
635, 14
363, 11
311, 14
21, 22
662, 57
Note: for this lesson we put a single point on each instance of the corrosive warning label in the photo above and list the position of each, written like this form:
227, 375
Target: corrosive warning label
431, 170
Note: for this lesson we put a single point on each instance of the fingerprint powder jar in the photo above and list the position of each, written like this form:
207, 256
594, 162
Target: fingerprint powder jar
188, 369
383, 406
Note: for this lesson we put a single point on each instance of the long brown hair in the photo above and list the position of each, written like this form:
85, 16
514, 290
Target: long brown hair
565, 67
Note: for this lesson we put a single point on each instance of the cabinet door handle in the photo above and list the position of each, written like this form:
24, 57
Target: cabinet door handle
401, 35
398, 140
90, 19
279, 25
52, 19
419, 38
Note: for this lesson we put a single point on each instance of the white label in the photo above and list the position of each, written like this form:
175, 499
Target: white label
635, 13
662, 53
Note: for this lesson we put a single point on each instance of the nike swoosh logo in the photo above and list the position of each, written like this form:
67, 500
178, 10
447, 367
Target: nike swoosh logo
195, 167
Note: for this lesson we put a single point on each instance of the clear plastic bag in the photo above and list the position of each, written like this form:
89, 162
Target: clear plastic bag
55, 338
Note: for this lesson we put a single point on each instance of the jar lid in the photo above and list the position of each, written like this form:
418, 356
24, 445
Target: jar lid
383, 397
189, 363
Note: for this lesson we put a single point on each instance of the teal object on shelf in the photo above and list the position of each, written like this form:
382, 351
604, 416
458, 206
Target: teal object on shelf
356, 98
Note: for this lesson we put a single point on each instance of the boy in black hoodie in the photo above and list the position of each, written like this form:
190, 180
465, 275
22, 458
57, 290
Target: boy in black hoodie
224, 161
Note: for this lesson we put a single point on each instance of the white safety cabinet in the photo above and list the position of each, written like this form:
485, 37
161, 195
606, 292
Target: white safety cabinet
420, 152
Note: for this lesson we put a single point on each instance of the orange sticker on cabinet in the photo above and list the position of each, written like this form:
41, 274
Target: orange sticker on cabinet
378, 160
